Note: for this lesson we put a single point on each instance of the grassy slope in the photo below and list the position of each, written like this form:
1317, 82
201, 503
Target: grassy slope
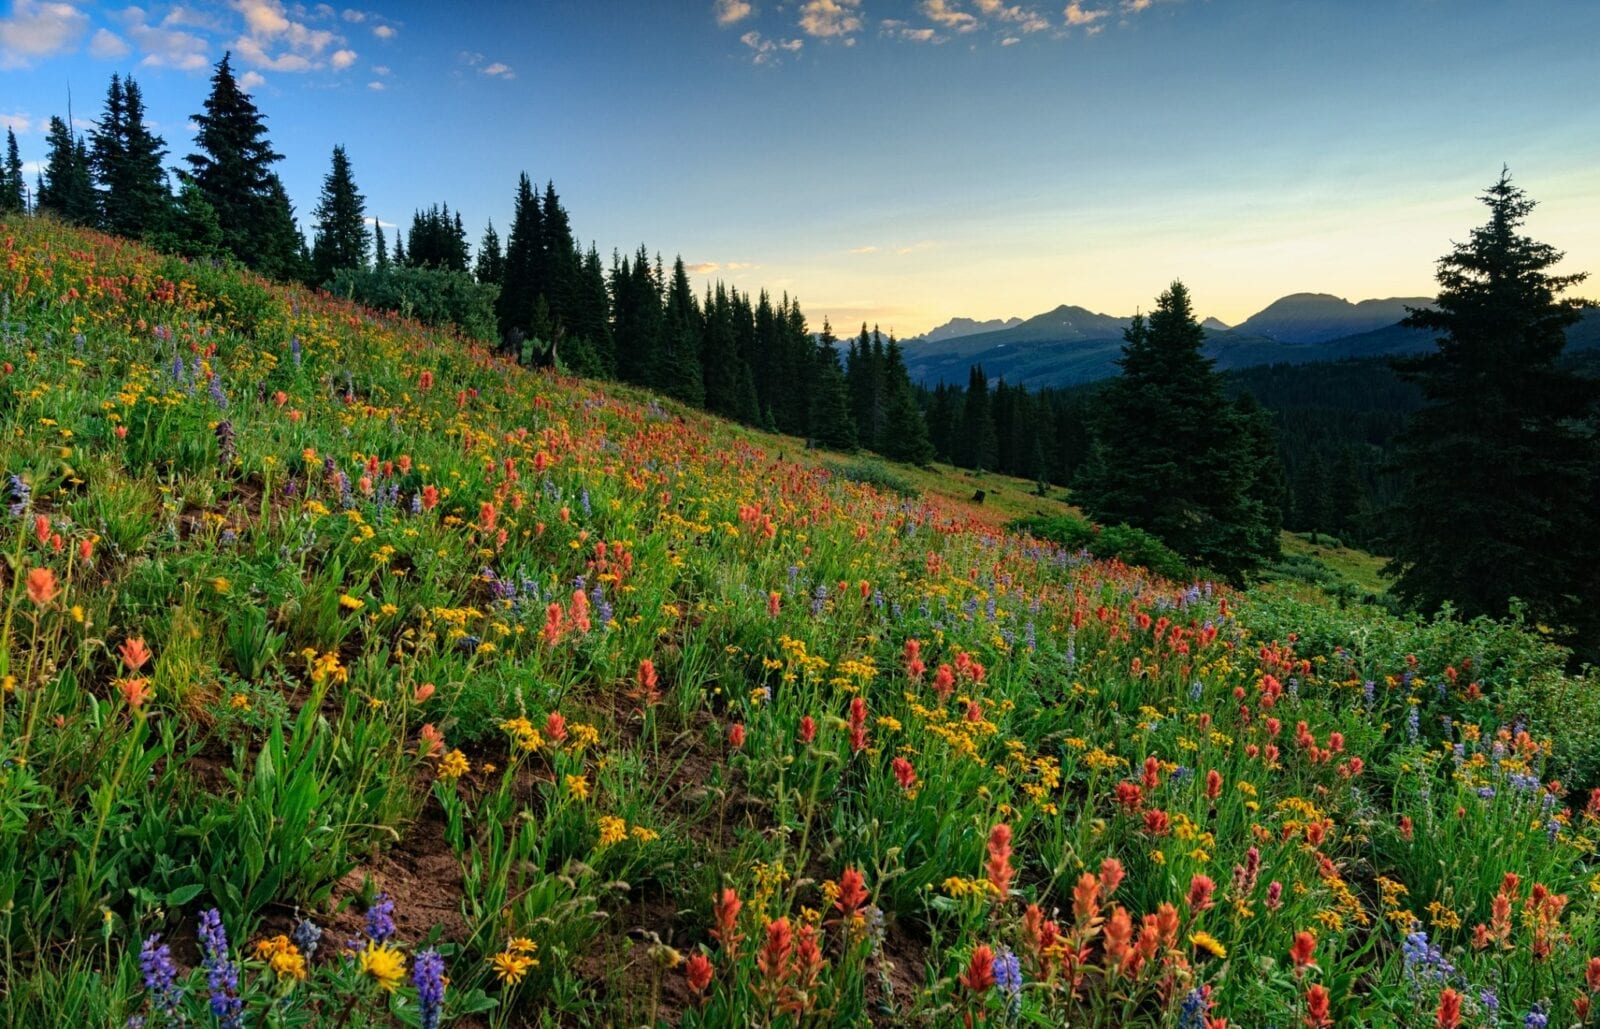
355, 548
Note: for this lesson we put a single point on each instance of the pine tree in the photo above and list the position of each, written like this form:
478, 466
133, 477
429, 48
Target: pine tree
1313, 498
233, 168
681, 376
591, 320
1500, 466
341, 234
1347, 495
980, 446
126, 156
190, 227
520, 287
719, 355
491, 264
400, 259
831, 424
1169, 454
12, 187
65, 189
905, 432
380, 248
283, 254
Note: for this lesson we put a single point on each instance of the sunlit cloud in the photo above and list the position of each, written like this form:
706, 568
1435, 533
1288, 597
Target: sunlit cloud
342, 59
731, 12
1014, 14
384, 31
251, 81
39, 30
897, 29
1080, 16
376, 86
942, 13
830, 19
868, 249
768, 51
20, 123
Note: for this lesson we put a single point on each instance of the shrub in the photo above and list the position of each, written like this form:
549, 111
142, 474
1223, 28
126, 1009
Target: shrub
1123, 542
433, 296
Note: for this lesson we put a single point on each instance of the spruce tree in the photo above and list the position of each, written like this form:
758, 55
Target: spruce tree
341, 238
283, 253
979, 448
1500, 465
127, 156
1169, 454
66, 189
380, 247
12, 187
905, 431
831, 424
491, 264
232, 166
519, 288
190, 227
681, 375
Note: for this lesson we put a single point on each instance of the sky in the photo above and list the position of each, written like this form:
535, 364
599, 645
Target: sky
902, 162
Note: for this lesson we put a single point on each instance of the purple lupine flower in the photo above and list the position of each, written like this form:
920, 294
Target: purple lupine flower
380, 918
217, 396
160, 974
294, 350
21, 495
1193, 1013
222, 975
427, 974
1490, 1001
306, 936
1008, 976
1537, 1018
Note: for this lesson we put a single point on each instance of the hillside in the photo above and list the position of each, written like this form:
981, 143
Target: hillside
356, 676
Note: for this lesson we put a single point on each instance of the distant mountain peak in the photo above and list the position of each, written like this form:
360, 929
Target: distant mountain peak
1320, 317
967, 327
1214, 325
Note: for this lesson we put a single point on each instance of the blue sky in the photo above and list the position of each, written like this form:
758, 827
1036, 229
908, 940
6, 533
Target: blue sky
904, 161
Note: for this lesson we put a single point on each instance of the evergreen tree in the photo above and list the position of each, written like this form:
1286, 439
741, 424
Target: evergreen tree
283, 253
400, 257
341, 234
980, 446
1346, 495
591, 320
380, 248
66, 190
905, 432
127, 159
233, 168
831, 424
190, 227
520, 288
491, 265
719, 356
1169, 454
12, 187
681, 376
1500, 466
1313, 498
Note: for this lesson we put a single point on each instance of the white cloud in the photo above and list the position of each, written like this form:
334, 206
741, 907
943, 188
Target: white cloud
36, 30
868, 249
370, 220
383, 31
342, 59
251, 81
1015, 14
703, 268
769, 51
731, 12
166, 45
1010, 41
1078, 15
355, 17
107, 45
896, 29
830, 19
275, 41
498, 70
940, 12
380, 69
376, 86
21, 123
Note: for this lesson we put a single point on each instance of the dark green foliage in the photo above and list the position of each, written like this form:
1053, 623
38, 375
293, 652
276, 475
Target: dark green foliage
342, 238
190, 227
233, 168
1170, 455
1123, 542
126, 157
1500, 465
905, 434
679, 376
380, 246
878, 475
519, 290
66, 190
437, 240
831, 423
491, 263
12, 188
979, 446
432, 295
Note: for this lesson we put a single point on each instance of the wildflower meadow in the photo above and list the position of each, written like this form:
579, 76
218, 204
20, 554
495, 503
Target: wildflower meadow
353, 675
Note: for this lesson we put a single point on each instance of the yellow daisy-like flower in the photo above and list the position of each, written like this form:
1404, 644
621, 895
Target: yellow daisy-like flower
578, 786
1208, 943
453, 765
510, 968
282, 956
612, 830
384, 963
353, 603
521, 945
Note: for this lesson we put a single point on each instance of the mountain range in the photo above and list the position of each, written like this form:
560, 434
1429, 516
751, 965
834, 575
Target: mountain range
1071, 345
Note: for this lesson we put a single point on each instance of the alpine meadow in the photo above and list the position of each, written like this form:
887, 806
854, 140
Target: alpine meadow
425, 605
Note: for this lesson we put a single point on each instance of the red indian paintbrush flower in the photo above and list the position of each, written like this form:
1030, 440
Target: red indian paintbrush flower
134, 653
999, 866
41, 586
697, 970
725, 909
1200, 890
1449, 1014
1303, 948
979, 976
852, 891
1317, 1007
